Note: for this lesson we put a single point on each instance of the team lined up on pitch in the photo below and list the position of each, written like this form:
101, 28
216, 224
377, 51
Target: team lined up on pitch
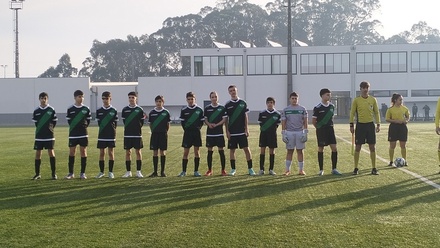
234, 117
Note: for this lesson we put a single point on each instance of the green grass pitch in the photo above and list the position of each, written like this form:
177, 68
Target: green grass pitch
394, 209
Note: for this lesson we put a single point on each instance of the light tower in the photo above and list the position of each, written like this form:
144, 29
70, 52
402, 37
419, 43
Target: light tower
16, 5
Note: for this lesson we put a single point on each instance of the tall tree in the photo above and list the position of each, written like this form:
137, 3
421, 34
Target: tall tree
63, 69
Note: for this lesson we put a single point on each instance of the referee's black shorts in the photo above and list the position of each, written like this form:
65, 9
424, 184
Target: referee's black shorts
398, 132
365, 133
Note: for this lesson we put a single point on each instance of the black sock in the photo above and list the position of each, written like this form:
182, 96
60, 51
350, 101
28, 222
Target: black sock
111, 163
138, 165
128, 165
155, 163
222, 159
37, 166
233, 164
262, 158
53, 166
83, 164
196, 164
334, 159
162, 164
101, 166
209, 159
184, 164
71, 164
249, 162
271, 161
321, 160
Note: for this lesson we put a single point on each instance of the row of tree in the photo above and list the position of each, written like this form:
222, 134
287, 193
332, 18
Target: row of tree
316, 22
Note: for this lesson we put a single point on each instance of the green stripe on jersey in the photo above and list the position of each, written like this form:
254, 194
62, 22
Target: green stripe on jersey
43, 120
195, 116
158, 120
236, 113
110, 115
79, 116
131, 116
215, 114
326, 118
268, 123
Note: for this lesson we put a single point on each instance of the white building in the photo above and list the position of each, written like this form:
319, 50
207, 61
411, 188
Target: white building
412, 70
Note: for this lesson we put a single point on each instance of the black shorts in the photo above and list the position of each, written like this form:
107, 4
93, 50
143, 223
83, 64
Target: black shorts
191, 138
238, 141
84, 142
159, 141
325, 136
135, 143
40, 145
268, 139
104, 144
398, 132
218, 141
365, 133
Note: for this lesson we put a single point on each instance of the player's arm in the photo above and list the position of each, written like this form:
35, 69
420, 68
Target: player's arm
314, 121
246, 120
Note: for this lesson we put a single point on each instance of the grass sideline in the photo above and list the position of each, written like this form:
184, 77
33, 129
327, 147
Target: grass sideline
393, 209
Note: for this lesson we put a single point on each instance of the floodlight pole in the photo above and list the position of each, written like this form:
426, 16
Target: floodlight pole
16, 5
289, 50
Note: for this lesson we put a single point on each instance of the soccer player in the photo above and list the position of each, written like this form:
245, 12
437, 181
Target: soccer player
398, 116
322, 120
269, 120
191, 118
133, 117
159, 120
78, 117
215, 117
294, 131
45, 120
365, 109
107, 117
237, 129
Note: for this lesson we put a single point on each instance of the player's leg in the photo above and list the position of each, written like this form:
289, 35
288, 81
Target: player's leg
300, 157
209, 160
127, 161
52, 160
83, 151
139, 162
262, 158
111, 161
162, 162
391, 152
196, 161
37, 164
289, 156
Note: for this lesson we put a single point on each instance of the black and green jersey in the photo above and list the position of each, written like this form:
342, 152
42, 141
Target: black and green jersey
78, 118
45, 120
236, 111
191, 117
215, 114
324, 114
107, 121
159, 120
133, 118
269, 120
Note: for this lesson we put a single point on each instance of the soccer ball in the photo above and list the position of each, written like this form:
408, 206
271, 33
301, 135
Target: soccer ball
399, 162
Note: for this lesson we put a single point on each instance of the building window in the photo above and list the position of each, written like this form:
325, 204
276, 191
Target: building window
269, 64
218, 65
385, 93
425, 61
425, 93
381, 62
332, 63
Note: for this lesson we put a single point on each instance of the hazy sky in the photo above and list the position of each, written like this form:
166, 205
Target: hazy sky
50, 28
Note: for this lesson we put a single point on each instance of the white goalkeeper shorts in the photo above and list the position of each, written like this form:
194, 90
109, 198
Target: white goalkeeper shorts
294, 138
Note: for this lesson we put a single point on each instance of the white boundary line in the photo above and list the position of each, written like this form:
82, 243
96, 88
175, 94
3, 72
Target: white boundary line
421, 178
